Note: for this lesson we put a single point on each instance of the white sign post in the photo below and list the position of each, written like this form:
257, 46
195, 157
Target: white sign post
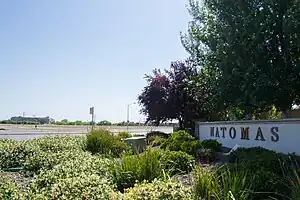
278, 135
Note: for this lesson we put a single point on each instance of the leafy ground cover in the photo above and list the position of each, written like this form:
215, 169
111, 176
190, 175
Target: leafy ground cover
101, 166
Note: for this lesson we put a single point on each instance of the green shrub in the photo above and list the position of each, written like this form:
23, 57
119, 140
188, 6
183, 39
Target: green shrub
33, 153
177, 162
105, 142
14, 153
206, 155
9, 190
59, 143
211, 144
221, 184
204, 183
83, 164
151, 135
80, 187
156, 140
260, 158
124, 135
268, 169
47, 160
293, 183
265, 184
182, 136
132, 168
158, 190
182, 141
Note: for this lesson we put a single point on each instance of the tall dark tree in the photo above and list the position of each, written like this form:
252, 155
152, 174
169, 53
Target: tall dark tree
168, 96
254, 44
154, 98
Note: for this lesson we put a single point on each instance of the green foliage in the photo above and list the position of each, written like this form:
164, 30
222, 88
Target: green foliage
79, 187
47, 160
211, 144
14, 153
104, 123
59, 143
39, 153
105, 142
156, 140
69, 172
83, 164
9, 190
214, 43
177, 162
293, 183
182, 141
268, 169
261, 158
133, 168
221, 184
149, 165
206, 155
124, 135
158, 190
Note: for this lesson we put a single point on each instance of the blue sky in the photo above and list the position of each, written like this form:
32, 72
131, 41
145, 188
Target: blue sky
58, 58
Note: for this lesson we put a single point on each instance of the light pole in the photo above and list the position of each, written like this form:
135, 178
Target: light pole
128, 114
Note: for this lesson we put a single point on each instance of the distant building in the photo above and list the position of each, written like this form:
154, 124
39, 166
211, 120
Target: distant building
41, 120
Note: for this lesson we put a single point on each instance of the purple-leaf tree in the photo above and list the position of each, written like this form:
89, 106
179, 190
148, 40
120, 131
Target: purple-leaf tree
167, 95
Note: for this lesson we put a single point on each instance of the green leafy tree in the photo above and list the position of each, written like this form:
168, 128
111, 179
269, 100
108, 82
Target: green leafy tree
254, 45
104, 123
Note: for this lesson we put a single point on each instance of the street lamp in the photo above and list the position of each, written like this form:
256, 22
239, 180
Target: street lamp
128, 114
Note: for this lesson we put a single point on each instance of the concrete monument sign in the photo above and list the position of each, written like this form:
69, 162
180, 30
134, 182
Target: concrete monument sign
279, 135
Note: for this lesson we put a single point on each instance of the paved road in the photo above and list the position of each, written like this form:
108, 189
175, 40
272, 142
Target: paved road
21, 132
